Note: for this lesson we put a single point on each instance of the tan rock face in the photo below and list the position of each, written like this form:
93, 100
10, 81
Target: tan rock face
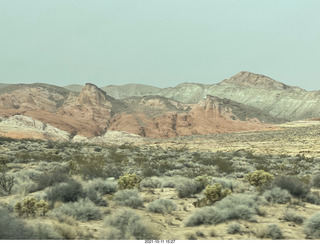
93, 113
19, 126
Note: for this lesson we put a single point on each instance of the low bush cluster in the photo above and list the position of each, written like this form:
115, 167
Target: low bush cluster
128, 225
164, 206
83, 210
235, 206
259, 178
30, 207
129, 197
95, 189
65, 192
12, 228
293, 185
234, 228
312, 226
151, 182
272, 231
291, 215
187, 187
129, 181
277, 195
52, 178
213, 193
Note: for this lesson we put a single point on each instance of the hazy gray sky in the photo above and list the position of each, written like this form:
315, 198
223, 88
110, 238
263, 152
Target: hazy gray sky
159, 42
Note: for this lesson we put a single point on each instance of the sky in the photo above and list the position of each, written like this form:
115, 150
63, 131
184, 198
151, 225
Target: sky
159, 42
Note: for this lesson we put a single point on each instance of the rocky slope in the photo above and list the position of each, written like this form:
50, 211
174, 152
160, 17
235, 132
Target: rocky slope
278, 99
19, 126
92, 112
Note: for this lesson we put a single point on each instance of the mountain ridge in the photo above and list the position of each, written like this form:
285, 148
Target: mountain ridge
245, 101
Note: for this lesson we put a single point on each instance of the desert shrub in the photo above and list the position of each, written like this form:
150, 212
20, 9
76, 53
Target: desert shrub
27, 207
291, 215
65, 192
6, 182
45, 231
234, 228
212, 194
277, 195
150, 182
169, 182
14, 229
270, 231
89, 167
215, 193
203, 181
101, 186
83, 210
127, 225
191, 236
241, 206
312, 226
96, 198
67, 232
235, 206
186, 187
129, 181
315, 181
259, 178
206, 215
293, 185
3, 164
164, 206
42, 207
47, 179
129, 197
313, 197
23, 185
95, 189
226, 183
149, 171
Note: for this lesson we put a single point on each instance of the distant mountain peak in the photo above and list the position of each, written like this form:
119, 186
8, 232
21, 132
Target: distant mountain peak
92, 95
249, 79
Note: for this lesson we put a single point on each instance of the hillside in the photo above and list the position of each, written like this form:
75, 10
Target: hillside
93, 112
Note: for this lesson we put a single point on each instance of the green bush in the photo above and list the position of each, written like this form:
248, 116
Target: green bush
291, 215
235, 206
96, 198
89, 167
186, 187
212, 194
95, 189
102, 186
277, 195
215, 193
129, 181
164, 206
128, 225
12, 228
203, 181
271, 231
293, 185
259, 178
6, 182
312, 226
52, 178
234, 228
129, 197
83, 210
151, 182
65, 192
315, 181
27, 207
